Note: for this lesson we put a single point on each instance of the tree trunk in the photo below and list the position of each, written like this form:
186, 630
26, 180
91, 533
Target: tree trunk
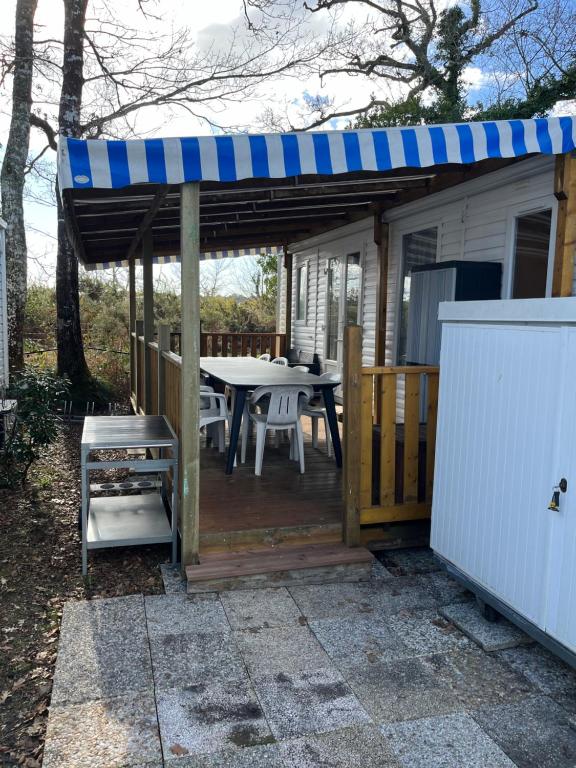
12, 180
71, 360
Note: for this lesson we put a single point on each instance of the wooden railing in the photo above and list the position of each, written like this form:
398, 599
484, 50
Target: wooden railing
226, 344
390, 418
140, 371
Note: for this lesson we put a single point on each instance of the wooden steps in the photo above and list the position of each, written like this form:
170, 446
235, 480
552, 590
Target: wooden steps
279, 567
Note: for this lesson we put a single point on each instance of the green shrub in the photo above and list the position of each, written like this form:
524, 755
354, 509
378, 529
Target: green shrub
34, 424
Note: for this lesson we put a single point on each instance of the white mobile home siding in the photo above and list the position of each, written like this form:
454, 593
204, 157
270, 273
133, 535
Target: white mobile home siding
475, 220
310, 334
3, 311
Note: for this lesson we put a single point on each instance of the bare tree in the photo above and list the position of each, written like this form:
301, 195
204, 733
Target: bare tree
13, 177
107, 73
404, 49
213, 275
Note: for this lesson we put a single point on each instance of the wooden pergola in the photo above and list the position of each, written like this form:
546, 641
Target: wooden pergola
131, 200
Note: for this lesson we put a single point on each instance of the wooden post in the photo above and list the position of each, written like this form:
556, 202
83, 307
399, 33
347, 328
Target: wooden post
132, 324
163, 346
139, 394
352, 444
288, 308
565, 193
190, 340
148, 314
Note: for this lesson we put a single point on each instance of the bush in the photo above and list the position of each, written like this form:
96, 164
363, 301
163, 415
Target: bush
34, 424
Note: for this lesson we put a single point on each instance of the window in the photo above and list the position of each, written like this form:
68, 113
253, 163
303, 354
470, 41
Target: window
418, 248
530, 259
353, 289
301, 291
332, 307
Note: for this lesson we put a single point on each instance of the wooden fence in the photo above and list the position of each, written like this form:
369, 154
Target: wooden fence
227, 344
389, 444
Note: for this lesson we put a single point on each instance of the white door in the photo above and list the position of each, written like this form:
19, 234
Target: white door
343, 305
496, 458
561, 579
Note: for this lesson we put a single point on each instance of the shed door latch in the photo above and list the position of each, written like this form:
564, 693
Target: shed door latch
562, 487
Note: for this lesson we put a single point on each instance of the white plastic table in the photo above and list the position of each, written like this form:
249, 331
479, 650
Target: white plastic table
125, 520
244, 373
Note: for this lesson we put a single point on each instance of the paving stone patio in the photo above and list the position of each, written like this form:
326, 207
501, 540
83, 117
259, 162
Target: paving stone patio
338, 675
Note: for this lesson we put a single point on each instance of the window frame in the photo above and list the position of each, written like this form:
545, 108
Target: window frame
548, 203
305, 264
403, 232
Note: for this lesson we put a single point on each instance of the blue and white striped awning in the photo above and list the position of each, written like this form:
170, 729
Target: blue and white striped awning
205, 256
101, 164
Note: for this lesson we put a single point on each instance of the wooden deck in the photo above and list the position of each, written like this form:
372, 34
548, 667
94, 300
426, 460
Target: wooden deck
280, 507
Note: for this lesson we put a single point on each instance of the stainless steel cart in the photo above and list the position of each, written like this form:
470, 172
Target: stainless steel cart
124, 520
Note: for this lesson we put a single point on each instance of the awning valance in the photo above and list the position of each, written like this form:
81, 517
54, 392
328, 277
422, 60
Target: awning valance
103, 164
230, 253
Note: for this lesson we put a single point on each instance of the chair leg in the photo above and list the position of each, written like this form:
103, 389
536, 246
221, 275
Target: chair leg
245, 432
300, 438
260, 443
221, 436
293, 445
314, 421
328, 436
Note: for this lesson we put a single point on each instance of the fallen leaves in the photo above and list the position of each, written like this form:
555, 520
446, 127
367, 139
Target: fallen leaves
39, 572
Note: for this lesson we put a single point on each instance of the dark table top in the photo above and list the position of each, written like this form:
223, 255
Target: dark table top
127, 432
252, 372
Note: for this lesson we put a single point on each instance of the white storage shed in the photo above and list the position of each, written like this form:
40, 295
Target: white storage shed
3, 310
505, 442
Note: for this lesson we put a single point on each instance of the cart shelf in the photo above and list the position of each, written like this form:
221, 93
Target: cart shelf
125, 520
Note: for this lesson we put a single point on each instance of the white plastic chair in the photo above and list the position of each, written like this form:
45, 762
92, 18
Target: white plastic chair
266, 357
280, 361
317, 412
282, 413
214, 414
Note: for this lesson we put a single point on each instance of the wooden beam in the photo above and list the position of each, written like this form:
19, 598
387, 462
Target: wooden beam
163, 346
190, 340
351, 443
395, 513
147, 219
565, 192
132, 323
148, 314
288, 263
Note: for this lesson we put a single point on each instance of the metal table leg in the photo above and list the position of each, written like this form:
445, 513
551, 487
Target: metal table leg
328, 393
239, 401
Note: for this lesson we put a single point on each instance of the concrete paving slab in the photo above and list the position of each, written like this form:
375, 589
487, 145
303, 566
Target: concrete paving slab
195, 658
280, 649
359, 638
489, 635
544, 670
358, 747
246, 608
308, 702
175, 614
450, 741
267, 756
387, 596
445, 589
426, 631
379, 572
100, 668
210, 717
410, 561
111, 733
477, 679
399, 690
99, 620
174, 584
534, 733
